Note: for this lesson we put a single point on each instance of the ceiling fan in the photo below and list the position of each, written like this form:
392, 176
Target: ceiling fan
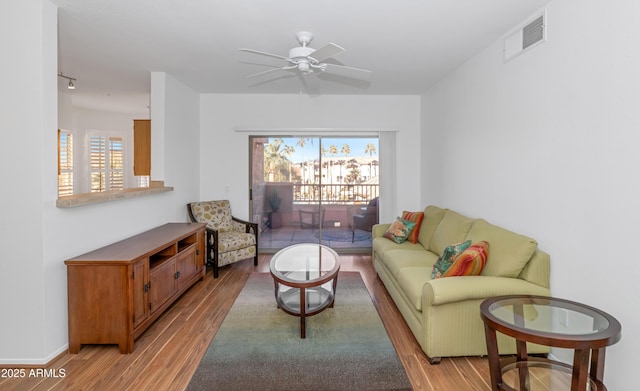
307, 60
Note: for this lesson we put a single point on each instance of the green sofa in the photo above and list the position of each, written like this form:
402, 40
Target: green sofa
444, 314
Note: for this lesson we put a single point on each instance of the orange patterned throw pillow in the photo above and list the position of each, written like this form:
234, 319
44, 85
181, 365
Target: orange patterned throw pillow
470, 262
417, 218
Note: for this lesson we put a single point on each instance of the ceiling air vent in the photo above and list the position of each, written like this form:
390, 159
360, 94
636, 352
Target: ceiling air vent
525, 37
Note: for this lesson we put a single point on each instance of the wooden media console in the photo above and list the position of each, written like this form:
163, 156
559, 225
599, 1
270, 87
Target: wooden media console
117, 291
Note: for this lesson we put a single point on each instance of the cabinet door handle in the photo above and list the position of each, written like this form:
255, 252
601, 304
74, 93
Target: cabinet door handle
177, 275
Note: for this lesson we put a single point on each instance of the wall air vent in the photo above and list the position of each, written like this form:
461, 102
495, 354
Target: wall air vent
526, 37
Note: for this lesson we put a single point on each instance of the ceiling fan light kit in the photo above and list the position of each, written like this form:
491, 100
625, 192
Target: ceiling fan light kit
307, 60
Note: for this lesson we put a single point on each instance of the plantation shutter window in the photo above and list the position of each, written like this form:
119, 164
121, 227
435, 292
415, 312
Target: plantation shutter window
65, 163
116, 163
106, 163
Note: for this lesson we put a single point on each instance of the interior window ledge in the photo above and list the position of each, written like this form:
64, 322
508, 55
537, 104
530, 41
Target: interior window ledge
94, 198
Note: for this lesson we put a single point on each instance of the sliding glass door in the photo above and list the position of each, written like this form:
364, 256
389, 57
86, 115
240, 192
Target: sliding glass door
312, 189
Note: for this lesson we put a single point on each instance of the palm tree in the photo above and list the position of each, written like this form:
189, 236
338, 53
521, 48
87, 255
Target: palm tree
333, 150
354, 172
302, 142
341, 163
346, 150
276, 159
288, 151
370, 149
323, 152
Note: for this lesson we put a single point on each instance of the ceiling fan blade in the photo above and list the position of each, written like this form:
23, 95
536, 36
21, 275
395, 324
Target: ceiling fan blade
264, 72
326, 51
310, 84
263, 53
354, 73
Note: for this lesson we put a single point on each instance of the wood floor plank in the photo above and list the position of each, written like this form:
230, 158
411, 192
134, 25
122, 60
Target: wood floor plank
167, 354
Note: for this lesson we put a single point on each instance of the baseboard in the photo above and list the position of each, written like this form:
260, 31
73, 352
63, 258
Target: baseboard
28, 363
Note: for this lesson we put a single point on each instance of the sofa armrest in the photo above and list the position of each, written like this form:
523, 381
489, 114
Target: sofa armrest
378, 230
454, 289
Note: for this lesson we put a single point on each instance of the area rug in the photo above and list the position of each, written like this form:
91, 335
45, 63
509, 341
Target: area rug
258, 346
343, 236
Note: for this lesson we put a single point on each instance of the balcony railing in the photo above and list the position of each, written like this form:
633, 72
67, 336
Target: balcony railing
348, 194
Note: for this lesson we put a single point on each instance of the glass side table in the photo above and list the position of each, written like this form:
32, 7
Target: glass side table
305, 277
551, 322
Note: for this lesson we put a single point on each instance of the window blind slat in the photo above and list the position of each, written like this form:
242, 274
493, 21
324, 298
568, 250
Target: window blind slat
106, 161
65, 163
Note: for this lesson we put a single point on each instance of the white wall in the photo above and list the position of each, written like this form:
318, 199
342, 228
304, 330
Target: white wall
37, 236
25, 28
546, 145
224, 151
182, 144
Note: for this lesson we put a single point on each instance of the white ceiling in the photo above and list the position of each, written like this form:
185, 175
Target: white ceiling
111, 46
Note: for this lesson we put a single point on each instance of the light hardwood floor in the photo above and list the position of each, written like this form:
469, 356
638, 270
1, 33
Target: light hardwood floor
168, 353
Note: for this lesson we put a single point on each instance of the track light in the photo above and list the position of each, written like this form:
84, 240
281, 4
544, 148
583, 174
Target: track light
70, 86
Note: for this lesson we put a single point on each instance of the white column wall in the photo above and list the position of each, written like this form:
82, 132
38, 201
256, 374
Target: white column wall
24, 114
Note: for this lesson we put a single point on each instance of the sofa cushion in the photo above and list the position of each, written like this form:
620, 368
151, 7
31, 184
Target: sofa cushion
399, 230
453, 228
381, 245
395, 260
411, 281
432, 217
509, 253
415, 217
232, 241
448, 256
470, 262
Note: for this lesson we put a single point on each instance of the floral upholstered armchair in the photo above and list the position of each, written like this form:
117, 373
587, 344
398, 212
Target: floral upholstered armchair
229, 239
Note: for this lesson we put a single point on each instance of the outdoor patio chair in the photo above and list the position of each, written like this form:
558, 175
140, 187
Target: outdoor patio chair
365, 220
311, 218
229, 239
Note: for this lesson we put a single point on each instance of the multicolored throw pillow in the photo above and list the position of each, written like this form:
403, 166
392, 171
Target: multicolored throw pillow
417, 218
449, 255
470, 262
399, 230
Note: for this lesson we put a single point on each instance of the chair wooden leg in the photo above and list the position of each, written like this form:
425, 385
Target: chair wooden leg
215, 269
215, 264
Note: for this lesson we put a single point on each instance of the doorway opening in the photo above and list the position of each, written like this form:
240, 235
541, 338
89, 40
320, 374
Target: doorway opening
313, 189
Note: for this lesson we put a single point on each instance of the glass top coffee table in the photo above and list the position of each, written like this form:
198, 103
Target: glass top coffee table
552, 322
305, 277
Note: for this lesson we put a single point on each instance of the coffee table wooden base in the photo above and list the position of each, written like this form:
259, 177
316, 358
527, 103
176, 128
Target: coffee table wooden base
304, 302
305, 276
